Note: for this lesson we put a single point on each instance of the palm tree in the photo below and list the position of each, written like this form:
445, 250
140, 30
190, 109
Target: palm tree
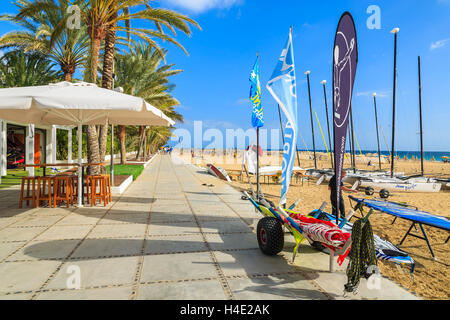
157, 137
101, 15
19, 69
140, 73
68, 49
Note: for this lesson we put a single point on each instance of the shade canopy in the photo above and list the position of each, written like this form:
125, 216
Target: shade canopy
67, 103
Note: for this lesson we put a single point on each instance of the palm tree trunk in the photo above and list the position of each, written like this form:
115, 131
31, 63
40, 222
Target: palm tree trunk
92, 149
123, 150
108, 58
91, 76
141, 132
107, 80
68, 77
103, 139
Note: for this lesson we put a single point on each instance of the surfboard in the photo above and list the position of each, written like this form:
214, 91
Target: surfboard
218, 172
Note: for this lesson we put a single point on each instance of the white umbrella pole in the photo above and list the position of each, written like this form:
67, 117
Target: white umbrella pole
80, 178
111, 168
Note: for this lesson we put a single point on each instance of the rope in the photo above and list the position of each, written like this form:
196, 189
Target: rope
362, 254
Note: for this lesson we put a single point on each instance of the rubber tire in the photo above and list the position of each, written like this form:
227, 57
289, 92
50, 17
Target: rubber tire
369, 191
384, 194
274, 236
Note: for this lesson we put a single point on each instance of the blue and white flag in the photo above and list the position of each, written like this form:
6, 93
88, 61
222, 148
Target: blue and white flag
282, 86
255, 97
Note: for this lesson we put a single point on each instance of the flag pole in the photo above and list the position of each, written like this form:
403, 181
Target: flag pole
257, 151
312, 123
376, 123
395, 32
328, 121
420, 114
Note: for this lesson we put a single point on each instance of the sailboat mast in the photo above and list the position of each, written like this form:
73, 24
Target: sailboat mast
328, 122
376, 123
353, 140
312, 123
420, 114
395, 32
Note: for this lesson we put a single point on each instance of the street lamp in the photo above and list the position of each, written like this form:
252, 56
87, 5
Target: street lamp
324, 82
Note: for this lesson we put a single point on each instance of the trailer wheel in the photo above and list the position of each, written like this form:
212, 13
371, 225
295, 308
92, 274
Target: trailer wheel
384, 194
270, 236
369, 191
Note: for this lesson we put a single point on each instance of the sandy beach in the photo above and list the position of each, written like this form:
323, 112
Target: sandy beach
431, 278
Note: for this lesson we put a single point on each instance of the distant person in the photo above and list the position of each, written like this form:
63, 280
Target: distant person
333, 188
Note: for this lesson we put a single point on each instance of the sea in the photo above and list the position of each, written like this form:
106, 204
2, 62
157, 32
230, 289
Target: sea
427, 155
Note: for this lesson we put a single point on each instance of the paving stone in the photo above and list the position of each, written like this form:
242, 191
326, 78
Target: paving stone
45, 250
177, 267
170, 244
97, 272
64, 232
38, 221
128, 217
250, 262
108, 247
121, 293
280, 287
173, 228
7, 248
225, 226
25, 276
232, 241
201, 290
77, 219
117, 230
15, 234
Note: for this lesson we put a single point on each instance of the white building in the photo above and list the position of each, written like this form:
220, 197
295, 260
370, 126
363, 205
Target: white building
29, 144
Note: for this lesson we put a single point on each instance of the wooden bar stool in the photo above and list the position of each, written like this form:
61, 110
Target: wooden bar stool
87, 186
28, 197
41, 194
98, 189
108, 186
63, 190
74, 188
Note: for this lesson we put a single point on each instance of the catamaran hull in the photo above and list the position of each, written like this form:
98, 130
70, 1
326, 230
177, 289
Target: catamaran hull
402, 187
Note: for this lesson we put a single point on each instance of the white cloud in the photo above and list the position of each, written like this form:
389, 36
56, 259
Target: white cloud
438, 44
199, 6
242, 102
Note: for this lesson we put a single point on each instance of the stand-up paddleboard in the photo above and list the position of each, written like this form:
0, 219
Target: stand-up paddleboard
218, 172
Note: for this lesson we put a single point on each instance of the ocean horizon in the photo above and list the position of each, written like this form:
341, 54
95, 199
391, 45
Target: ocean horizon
428, 155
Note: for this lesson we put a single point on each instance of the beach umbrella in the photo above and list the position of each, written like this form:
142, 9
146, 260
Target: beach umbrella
79, 104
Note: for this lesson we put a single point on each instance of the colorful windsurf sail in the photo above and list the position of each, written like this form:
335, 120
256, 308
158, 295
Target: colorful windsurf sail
282, 86
345, 60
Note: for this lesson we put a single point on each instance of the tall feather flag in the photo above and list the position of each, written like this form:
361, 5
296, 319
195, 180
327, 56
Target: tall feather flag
345, 60
282, 86
255, 97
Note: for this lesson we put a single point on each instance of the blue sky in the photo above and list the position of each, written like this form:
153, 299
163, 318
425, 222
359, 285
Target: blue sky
214, 86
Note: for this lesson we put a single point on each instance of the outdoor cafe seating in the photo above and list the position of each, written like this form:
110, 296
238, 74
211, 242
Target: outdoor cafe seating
62, 188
